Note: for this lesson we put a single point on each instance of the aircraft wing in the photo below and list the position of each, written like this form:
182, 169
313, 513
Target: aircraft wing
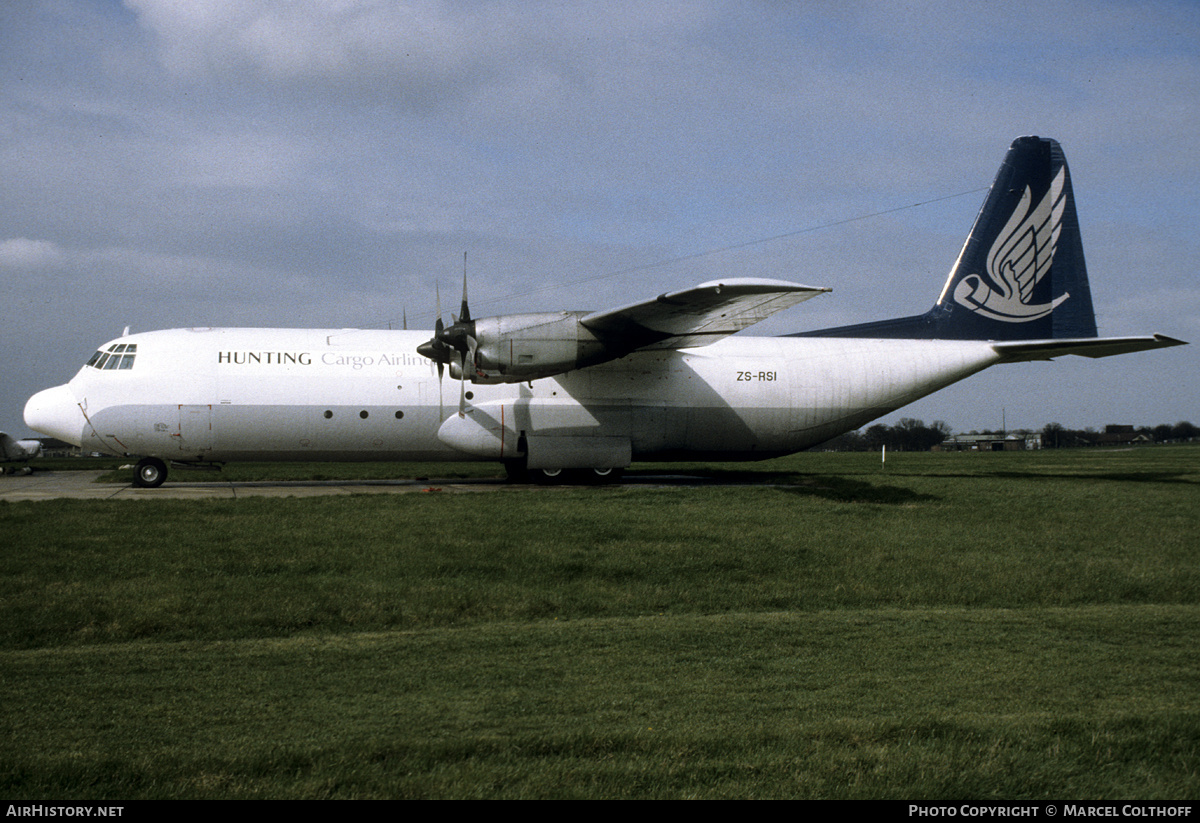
1023, 350
697, 316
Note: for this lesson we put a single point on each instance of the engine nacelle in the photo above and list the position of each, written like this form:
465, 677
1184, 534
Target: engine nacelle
513, 348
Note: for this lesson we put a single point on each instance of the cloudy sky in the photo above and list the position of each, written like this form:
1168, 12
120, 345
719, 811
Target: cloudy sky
325, 163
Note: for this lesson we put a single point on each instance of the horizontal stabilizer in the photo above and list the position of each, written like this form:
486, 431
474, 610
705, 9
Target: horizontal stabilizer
1024, 350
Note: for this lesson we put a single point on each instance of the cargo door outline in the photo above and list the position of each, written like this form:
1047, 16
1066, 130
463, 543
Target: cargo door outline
195, 429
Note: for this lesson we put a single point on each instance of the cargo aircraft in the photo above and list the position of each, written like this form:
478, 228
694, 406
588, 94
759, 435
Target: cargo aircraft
579, 394
18, 451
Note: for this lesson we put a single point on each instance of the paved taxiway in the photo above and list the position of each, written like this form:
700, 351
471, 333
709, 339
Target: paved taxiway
82, 485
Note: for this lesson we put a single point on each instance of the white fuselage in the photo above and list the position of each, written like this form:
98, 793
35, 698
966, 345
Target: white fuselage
327, 394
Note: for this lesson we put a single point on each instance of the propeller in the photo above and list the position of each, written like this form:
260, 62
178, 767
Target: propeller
436, 348
456, 343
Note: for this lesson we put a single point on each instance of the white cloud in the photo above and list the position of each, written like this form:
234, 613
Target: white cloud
327, 42
427, 54
23, 253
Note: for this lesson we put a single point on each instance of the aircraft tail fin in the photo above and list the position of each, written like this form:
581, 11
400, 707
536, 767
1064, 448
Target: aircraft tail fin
11, 449
1020, 274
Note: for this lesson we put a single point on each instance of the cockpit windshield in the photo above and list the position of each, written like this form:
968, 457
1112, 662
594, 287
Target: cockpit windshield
117, 356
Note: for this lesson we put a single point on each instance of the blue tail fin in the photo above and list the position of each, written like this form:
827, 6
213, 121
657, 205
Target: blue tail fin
1020, 275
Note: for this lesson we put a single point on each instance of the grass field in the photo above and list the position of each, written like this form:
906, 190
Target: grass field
1008, 625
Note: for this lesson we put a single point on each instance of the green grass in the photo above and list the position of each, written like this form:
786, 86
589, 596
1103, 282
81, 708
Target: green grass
953, 626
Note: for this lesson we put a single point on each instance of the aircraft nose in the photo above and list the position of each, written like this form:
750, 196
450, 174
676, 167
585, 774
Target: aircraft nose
56, 412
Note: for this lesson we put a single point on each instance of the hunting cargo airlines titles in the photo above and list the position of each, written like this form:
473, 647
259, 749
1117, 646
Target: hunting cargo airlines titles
582, 394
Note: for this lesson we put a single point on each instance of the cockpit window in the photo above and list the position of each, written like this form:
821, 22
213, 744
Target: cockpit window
118, 356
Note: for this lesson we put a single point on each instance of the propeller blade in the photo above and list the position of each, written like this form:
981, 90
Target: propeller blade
437, 345
438, 326
462, 388
466, 312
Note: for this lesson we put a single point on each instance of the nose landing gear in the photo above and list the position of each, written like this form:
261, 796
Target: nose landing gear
149, 473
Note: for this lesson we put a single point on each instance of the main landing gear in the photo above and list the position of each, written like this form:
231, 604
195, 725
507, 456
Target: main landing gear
519, 473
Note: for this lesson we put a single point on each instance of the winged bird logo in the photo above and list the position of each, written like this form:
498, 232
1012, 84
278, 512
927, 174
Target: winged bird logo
1020, 257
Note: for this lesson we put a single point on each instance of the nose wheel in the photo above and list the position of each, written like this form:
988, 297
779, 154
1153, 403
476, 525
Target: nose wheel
149, 473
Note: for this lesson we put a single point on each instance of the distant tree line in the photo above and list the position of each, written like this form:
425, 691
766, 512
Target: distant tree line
1058, 436
907, 435
913, 435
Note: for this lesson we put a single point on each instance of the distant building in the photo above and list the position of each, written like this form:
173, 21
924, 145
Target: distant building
990, 442
52, 447
1119, 435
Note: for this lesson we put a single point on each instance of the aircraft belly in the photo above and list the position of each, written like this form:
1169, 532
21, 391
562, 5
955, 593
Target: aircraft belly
767, 397
334, 403
328, 432
841, 387
727, 403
